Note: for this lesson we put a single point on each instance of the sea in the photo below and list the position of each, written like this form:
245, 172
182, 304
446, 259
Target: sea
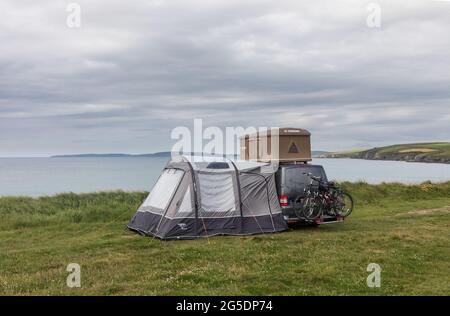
49, 176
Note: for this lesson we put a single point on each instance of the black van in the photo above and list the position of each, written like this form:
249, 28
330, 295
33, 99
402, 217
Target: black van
291, 182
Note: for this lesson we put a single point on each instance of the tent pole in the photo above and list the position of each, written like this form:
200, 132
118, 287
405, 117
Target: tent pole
194, 189
239, 194
239, 186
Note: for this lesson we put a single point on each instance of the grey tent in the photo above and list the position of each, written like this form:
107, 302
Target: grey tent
207, 196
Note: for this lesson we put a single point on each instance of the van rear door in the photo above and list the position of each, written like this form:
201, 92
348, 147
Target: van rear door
295, 181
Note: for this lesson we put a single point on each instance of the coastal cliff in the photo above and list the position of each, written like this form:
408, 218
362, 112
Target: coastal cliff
426, 152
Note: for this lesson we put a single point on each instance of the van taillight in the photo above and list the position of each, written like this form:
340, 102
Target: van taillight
284, 200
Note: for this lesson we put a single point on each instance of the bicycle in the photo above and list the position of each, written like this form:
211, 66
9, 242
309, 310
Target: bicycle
323, 198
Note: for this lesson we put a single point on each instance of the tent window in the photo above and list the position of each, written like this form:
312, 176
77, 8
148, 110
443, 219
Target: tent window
217, 192
163, 190
186, 204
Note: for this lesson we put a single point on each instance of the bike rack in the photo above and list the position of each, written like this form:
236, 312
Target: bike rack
330, 220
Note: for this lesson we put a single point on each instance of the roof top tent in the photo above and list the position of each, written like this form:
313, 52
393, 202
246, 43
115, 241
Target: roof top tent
207, 196
292, 145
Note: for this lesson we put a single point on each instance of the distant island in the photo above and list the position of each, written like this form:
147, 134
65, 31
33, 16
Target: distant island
420, 152
425, 152
114, 155
157, 154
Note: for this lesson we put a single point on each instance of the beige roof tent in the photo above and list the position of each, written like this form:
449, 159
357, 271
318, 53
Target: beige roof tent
290, 145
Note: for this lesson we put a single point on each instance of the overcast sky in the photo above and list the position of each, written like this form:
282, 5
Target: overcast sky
136, 69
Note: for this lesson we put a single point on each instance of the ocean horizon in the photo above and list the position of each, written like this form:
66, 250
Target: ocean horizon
49, 176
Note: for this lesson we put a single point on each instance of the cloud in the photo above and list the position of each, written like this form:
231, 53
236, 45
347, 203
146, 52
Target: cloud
132, 72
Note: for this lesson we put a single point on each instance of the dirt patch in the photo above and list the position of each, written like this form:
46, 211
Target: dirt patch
442, 210
377, 251
417, 150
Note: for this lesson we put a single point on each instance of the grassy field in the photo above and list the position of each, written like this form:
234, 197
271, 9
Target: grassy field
405, 229
424, 152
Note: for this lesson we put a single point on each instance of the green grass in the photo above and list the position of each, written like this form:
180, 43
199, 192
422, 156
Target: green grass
436, 149
40, 237
420, 152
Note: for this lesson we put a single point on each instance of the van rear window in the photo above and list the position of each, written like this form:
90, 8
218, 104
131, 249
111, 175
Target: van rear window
296, 180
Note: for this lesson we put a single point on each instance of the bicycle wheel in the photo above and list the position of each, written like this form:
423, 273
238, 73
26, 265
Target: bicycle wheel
344, 204
298, 206
311, 208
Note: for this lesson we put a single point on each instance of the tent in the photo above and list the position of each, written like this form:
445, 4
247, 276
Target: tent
207, 196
